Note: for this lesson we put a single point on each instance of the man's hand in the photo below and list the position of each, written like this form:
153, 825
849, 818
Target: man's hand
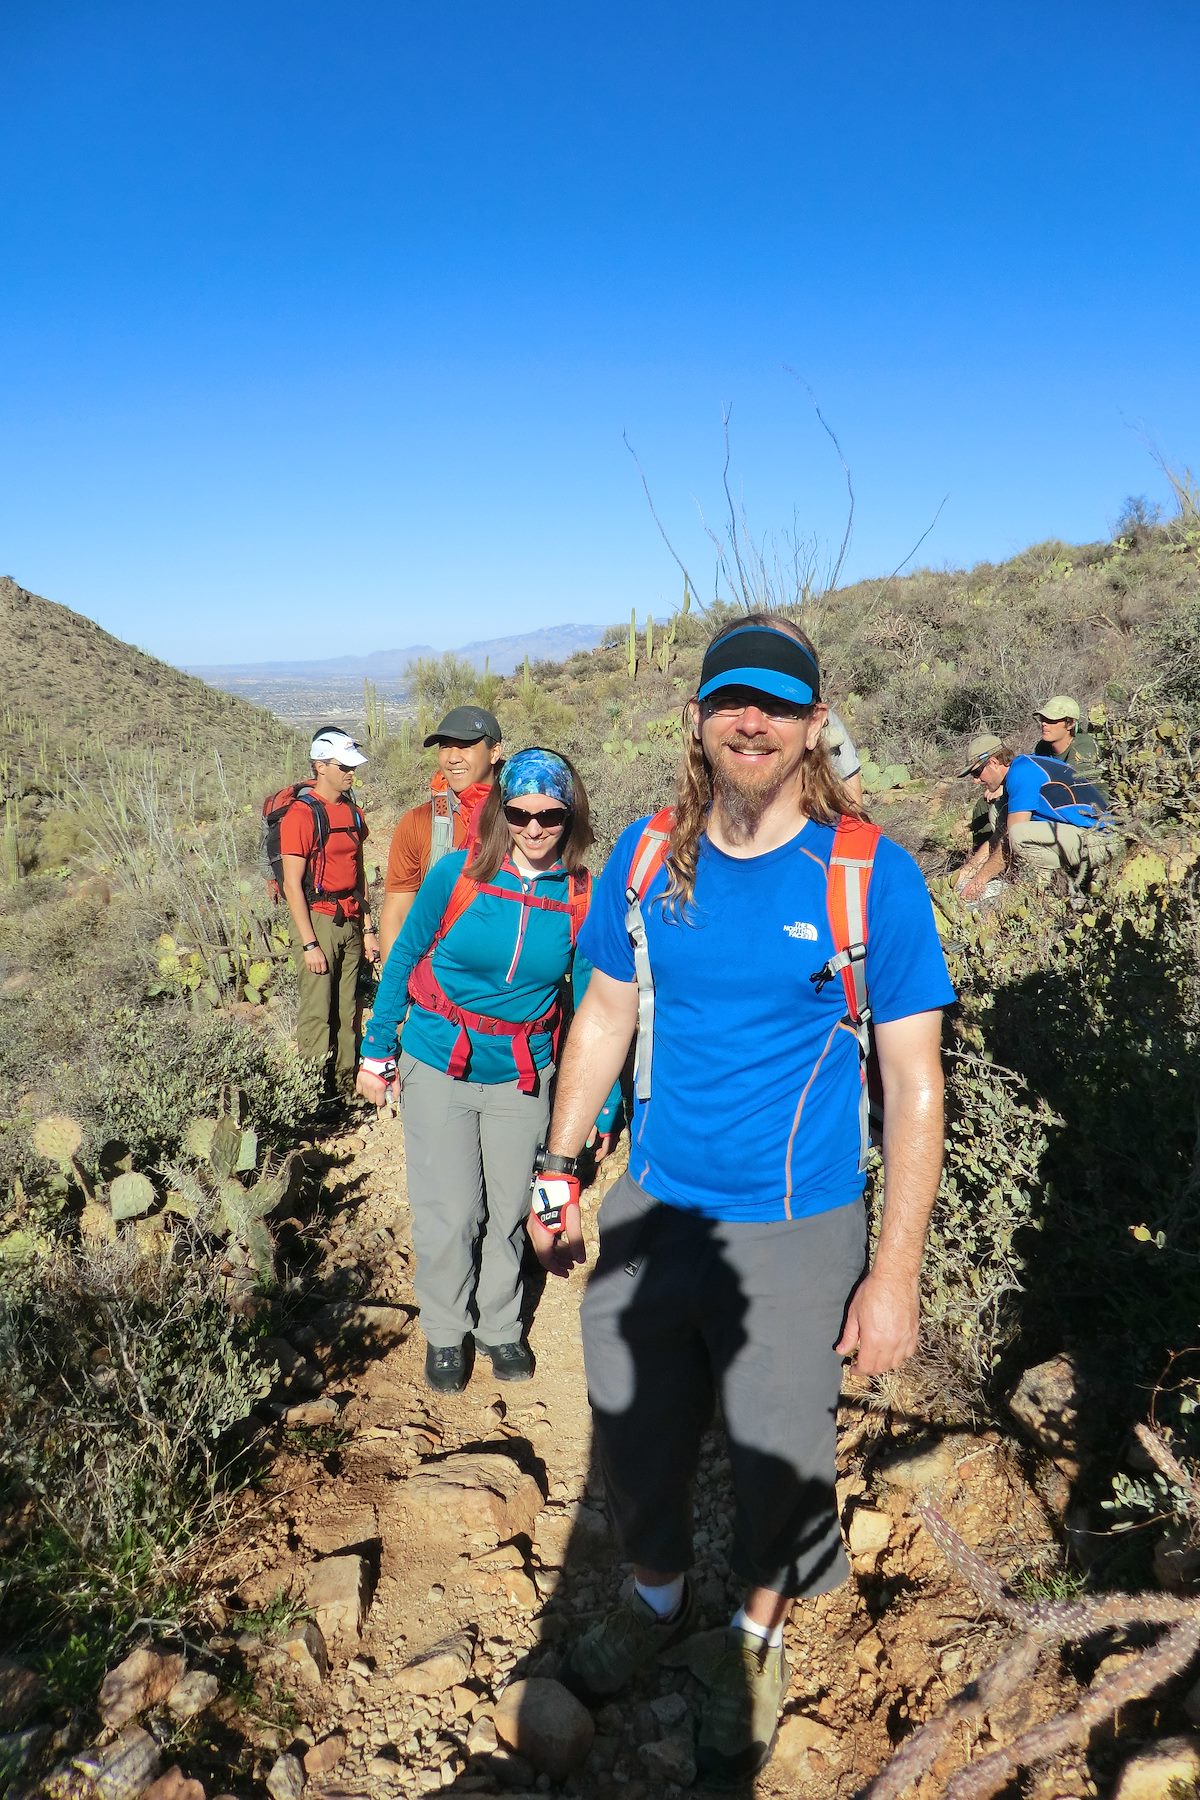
371, 947
314, 961
882, 1322
559, 1251
558, 1245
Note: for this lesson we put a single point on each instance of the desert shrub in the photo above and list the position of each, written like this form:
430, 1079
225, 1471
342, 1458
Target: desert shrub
972, 703
1073, 1099
154, 1069
624, 788
61, 838
440, 682
120, 1380
1174, 646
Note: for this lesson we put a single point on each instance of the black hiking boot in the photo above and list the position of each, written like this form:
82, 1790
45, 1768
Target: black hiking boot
447, 1367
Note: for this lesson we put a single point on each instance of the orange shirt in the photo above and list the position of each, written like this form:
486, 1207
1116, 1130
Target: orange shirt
412, 840
341, 866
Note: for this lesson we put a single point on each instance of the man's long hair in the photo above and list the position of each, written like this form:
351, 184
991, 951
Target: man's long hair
821, 793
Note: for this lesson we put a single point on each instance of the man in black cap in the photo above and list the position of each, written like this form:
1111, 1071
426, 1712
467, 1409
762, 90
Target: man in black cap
732, 1253
468, 754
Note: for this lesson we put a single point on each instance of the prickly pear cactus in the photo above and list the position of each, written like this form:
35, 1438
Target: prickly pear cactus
57, 1137
198, 1138
97, 1225
226, 1147
130, 1196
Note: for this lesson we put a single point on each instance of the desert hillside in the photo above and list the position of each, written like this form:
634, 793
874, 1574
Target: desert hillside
243, 1546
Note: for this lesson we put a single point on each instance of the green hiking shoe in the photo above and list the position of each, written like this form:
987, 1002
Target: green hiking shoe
740, 1713
627, 1639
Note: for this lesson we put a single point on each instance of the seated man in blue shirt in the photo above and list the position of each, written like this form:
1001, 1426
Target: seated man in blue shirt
1055, 822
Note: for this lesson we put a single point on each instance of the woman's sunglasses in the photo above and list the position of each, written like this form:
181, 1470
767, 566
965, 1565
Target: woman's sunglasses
549, 820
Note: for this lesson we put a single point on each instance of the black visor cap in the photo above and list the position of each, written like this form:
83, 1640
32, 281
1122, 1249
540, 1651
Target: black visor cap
771, 662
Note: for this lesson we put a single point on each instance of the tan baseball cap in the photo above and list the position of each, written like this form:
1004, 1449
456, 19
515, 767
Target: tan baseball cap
979, 749
1059, 706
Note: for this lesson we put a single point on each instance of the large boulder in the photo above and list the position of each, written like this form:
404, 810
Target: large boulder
543, 1722
472, 1492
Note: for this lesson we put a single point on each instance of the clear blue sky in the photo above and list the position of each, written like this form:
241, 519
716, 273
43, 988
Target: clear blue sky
322, 323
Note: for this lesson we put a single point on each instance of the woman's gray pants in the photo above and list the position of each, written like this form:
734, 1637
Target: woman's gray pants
469, 1149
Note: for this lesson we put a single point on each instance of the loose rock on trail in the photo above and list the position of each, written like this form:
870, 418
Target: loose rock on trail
432, 1551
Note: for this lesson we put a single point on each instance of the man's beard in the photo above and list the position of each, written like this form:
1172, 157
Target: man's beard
742, 807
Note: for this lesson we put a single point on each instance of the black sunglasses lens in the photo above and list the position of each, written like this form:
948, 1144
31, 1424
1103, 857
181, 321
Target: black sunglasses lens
552, 817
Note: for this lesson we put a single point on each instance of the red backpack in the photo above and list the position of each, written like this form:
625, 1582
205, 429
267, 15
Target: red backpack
427, 991
273, 809
851, 864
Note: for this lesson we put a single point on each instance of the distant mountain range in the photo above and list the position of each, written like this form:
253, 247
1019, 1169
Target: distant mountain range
552, 643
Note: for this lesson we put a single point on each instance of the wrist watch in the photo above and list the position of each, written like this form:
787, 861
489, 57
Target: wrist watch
311, 945
546, 1162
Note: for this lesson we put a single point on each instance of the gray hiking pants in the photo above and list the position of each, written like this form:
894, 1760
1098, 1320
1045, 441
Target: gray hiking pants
682, 1310
469, 1148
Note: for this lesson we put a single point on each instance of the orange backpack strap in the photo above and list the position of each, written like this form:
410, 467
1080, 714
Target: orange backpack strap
579, 887
851, 864
650, 853
461, 895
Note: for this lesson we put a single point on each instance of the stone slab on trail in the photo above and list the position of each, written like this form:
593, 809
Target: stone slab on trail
144, 1679
337, 1594
469, 1492
440, 1667
337, 1527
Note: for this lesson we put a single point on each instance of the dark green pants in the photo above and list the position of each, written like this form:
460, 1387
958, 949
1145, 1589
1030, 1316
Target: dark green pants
325, 1015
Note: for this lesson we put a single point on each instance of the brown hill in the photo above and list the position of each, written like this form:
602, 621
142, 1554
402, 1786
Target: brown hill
81, 712
71, 687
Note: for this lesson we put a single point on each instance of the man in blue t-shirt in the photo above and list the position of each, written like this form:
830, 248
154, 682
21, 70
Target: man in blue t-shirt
732, 1254
1053, 819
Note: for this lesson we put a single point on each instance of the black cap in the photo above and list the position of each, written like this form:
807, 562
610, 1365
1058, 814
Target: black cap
466, 725
758, 657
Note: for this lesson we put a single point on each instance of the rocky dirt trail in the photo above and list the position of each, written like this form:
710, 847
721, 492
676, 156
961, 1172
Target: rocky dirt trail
417, 1556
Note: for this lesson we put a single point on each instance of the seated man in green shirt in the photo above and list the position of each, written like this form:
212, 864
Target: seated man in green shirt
1061, 737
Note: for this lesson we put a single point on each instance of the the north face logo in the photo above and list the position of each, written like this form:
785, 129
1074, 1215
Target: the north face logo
802, 929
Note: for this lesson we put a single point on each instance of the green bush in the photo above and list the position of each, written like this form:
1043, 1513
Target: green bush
121, 1379
153, 1070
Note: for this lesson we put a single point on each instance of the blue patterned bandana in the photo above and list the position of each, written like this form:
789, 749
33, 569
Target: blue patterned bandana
536, 771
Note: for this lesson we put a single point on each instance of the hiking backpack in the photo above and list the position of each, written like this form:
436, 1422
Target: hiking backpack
851, 863
273, 809
443, 808
427, 991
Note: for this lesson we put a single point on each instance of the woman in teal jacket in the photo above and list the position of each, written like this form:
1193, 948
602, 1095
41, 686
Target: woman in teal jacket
482, 957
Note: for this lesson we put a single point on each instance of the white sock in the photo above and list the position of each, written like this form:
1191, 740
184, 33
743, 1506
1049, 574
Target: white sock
769, 1634
665, 1600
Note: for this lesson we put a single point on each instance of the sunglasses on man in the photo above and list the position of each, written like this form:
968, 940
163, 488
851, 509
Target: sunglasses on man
550, 820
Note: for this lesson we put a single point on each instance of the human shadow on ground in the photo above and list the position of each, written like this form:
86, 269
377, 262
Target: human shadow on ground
646, 1733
